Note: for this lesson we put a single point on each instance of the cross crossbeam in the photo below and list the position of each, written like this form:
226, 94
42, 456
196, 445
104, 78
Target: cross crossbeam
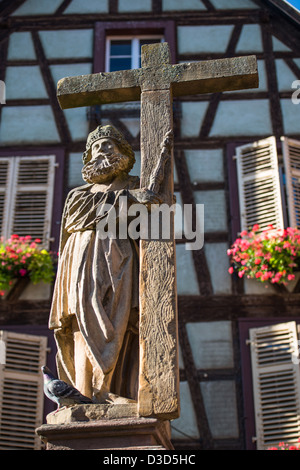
208, 76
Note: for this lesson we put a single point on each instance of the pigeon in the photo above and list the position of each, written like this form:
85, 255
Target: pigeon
60, 392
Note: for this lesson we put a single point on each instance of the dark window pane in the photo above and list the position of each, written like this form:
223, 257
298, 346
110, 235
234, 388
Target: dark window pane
120, 48
120, 64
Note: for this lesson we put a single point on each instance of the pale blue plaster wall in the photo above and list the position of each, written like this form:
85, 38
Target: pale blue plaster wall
74, 43
132, 6
177, 5
214, 209
69, 70
197, 39
211, 344
291, 116
205, 165
233, 4
28, 124
37, 7
78, 122
221, 407
192, 114
21, 46
250, 39
285, 76
243, 117
218, 264
75, 167
186, 275
24, 82
87, 6
279, 46
186, 425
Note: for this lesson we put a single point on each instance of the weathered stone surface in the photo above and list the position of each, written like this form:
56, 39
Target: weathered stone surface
108, 434
157, 73
94, 412
159, 372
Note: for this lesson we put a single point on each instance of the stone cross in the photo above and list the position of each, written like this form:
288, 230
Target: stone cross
155, 84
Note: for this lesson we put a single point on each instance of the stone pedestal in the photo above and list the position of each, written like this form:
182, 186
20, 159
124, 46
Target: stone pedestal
104, 427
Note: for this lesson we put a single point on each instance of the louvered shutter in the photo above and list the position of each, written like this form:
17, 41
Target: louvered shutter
29, 196
6, 182
291, 159
21, 390
259, 185
276, 383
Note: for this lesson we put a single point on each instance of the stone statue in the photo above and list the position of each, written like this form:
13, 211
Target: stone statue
95, 303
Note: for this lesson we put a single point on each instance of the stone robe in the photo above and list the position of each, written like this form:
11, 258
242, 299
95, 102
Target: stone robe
97, 283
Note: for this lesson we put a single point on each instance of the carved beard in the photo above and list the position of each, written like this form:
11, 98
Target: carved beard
105, 168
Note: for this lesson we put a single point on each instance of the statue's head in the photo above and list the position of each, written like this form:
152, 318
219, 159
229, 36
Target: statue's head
107, 155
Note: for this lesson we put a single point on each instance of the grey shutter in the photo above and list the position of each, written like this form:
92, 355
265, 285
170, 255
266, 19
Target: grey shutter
21, 389
291, 159
259, 186
276, 384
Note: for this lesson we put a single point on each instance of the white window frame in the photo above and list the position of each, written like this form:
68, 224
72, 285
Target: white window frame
135, 47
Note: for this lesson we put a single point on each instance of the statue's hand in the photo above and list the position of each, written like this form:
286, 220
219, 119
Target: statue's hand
146, 196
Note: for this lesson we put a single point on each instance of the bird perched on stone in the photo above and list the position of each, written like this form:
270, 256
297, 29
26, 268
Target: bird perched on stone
60, 392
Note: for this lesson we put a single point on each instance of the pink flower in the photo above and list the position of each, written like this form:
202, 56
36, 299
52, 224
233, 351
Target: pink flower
257, 261
291, 277
230, 270
23, 272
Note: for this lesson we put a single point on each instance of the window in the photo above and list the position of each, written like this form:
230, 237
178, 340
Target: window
123, 53
21, 389
28, 184
118, 44
268, 183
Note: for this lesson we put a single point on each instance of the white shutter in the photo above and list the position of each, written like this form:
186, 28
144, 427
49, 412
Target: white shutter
276, 384
21, 390
6, 182
29, 197
291, 159
259, 186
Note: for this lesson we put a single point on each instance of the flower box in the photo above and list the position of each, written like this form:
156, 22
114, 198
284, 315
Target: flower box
269, 256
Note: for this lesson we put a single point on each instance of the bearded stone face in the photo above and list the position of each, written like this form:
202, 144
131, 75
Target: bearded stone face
106, 162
